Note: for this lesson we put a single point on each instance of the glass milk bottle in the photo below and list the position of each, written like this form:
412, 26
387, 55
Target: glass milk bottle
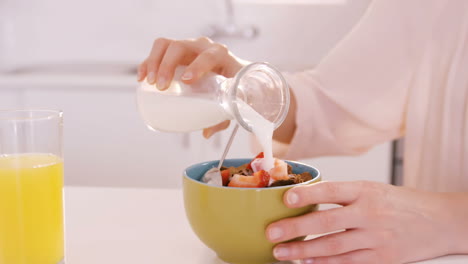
215, 98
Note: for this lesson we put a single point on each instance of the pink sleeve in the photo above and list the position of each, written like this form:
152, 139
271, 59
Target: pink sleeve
355, 98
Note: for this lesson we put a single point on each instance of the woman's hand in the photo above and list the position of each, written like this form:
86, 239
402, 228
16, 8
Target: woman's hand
378, 223
200, 55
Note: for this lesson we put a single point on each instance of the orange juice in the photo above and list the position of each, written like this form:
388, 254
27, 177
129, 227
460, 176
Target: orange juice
31, 214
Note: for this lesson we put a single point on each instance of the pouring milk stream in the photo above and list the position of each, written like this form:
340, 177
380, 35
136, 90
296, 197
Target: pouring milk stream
263, 131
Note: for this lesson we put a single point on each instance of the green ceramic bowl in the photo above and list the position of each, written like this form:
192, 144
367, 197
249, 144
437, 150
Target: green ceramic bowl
232, 221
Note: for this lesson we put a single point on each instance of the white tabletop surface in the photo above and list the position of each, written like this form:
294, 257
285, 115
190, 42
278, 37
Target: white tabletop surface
147, 226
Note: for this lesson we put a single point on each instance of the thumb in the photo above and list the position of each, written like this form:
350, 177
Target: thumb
208, 132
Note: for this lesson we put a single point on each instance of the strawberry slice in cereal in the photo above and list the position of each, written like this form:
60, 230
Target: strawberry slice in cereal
257, 180
253, 175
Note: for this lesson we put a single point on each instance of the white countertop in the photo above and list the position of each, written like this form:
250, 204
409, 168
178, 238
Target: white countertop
121, 226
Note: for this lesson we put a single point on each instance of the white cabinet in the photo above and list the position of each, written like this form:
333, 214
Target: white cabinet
9, 98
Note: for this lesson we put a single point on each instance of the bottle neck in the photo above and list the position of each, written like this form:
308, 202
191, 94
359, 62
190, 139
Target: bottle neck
231, 93
260, 87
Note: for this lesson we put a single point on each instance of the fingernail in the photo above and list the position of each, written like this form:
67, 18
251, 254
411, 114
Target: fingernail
187, 76
275, 233
151, 78
281, 252
307, 261
292, 198
161, 83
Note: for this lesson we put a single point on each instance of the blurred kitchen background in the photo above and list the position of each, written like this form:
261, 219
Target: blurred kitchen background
80, 56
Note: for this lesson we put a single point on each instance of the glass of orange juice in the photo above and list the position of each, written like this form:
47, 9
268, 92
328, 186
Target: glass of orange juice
31, 183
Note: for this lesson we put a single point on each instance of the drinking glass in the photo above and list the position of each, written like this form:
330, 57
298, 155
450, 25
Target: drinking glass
31, 183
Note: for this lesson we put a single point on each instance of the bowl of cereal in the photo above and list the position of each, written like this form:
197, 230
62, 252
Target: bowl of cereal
231, 218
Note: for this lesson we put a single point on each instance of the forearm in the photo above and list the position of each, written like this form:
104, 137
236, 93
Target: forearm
285, 132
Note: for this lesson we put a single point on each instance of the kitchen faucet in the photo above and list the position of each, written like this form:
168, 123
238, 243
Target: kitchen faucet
230, 29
